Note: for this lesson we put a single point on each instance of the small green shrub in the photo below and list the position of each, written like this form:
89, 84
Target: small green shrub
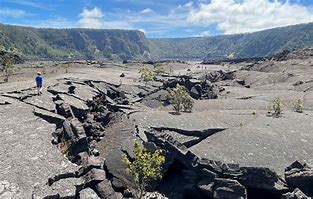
66, 67
146, 74
144, 167
187, 103
7, 67
181, 99
298, 105
64, 147
277, 106
159, 69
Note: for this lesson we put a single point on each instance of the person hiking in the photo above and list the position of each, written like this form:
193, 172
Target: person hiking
39, 81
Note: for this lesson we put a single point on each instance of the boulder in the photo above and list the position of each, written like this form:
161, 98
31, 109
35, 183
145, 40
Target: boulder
118, 185
104, 117
94, 176
259, 178
300, 175
105, 190
228, 189
78, 106
74, 133
88, 194
116, 168
220, 75
175, 148
211, 165
196, 92
90, 162
206, 188
296, 194
64, 109
68, 133
150, 146
78, 128
208, 175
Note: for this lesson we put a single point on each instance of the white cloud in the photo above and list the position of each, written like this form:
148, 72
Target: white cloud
91, 18
15, 13
95, 19
29, 3
147, 10
233, 16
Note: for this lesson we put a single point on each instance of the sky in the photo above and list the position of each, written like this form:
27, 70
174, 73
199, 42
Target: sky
159, 18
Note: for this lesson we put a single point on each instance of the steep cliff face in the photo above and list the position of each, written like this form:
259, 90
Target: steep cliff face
257, 44
75, 43
132, 44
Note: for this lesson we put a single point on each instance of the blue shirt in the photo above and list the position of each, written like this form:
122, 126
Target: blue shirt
39, 80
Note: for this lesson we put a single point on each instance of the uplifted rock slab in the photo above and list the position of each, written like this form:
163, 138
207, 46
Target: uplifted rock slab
27, 156
43, 101
74, 102
193, 121
264, 142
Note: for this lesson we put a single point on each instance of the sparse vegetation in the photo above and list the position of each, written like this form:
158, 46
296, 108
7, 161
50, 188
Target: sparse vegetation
181, 99
64, 148
277, 106
67, 67
7, 67
159, 69
298, 105
146, 74
144, 167
43, 68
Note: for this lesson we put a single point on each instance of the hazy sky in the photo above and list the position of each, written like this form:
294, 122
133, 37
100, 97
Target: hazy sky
159, 18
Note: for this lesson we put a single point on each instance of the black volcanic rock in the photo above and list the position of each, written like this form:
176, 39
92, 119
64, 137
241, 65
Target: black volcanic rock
300, 175
296, 194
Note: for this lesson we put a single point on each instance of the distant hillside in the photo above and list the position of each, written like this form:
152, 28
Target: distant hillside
258, 44
74, 43
132, 44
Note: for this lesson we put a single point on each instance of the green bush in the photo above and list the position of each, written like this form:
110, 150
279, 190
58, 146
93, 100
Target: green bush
43, 68
144, 167
181, 99
298, 105
67, 67
7, 67
277, 106
159, 69
146, 74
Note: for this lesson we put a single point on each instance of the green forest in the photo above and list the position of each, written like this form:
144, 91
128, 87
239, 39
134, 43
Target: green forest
42, 43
